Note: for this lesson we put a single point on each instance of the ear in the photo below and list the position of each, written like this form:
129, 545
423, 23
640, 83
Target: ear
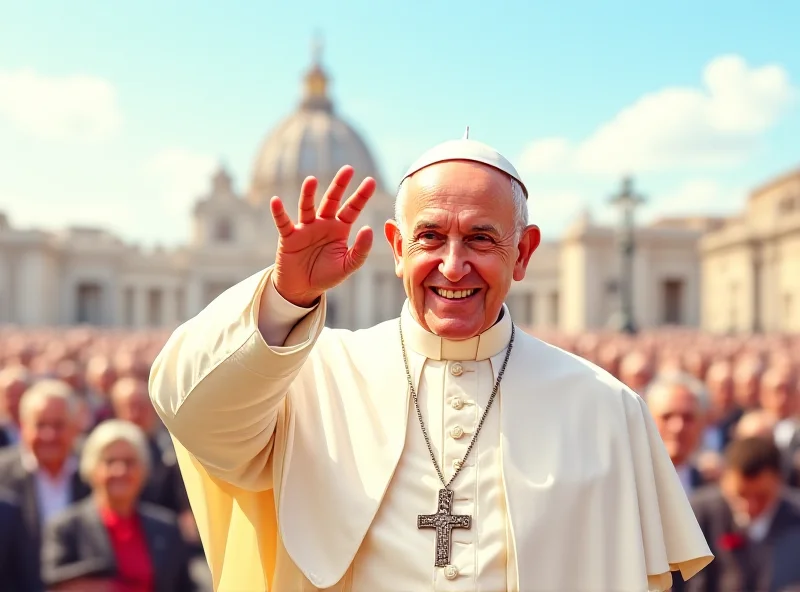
392, 233
528, 243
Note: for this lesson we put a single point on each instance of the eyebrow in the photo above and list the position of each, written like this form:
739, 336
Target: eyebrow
428, 225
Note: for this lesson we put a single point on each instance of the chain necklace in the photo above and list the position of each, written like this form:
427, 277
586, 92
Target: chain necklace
443, 520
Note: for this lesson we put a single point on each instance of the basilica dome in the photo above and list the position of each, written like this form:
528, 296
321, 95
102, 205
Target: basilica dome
311, 141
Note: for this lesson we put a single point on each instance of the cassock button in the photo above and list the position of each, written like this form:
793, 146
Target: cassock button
457, 369
457, 403
450, 572
457, 432
457, 464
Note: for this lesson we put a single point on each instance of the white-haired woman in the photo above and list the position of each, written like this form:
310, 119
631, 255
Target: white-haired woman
112, 540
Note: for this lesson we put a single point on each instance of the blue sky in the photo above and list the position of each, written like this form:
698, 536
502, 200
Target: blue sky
114, 113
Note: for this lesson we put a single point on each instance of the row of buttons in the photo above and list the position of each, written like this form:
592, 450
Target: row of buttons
457, 369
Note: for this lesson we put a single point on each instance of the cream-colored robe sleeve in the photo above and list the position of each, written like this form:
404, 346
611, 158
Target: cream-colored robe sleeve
218, 386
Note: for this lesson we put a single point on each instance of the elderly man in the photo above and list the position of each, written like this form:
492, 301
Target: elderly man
42, 470
442, 450
751, 523
679, 404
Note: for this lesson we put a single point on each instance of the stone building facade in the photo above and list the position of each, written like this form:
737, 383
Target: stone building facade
737, 275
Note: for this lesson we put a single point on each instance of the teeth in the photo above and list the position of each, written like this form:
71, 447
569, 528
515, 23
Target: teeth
454, 294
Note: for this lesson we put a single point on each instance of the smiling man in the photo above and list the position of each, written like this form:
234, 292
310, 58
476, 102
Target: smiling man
443, 450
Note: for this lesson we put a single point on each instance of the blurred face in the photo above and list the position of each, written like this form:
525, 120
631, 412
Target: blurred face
120, 473
778, 396
679, 421
9, 400
133, 404
746, 389
750, 497
720, 389
458, 253
49, 433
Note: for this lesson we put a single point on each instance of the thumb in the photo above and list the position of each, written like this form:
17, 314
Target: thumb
357, 254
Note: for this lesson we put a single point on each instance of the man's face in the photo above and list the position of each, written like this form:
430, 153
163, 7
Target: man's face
679, 420
132, 404
459, 252
720, 389
49, 432
9, 399
750, 496
778, 396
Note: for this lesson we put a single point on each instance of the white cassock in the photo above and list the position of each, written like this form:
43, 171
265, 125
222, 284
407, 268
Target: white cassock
306, 466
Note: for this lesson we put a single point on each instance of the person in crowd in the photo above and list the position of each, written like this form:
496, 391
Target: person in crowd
130, 401
636, 370
42, 471
755, 423
724, 412
112, 539
750, 522
18, 568
679, 405
14, 381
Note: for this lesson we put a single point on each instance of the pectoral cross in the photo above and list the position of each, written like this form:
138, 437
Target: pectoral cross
444, 522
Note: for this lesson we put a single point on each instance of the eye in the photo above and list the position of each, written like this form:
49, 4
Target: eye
481, 238
427, 236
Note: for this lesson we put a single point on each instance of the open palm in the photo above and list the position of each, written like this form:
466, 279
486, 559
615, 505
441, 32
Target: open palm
313, 255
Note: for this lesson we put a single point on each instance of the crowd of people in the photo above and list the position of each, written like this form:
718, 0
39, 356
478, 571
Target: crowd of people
91, 495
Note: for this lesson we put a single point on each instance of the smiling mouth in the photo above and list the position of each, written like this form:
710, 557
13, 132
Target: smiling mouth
455, 294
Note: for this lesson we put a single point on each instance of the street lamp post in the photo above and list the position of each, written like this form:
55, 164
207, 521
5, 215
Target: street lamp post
627, 201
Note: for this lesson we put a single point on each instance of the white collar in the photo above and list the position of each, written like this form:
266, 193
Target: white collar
481, 347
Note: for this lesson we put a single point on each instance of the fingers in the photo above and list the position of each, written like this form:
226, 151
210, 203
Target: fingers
332, 197
353, 206
282, 221
357, 254
306, 211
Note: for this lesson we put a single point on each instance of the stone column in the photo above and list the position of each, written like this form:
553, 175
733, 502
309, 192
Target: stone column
139, 306
169, 306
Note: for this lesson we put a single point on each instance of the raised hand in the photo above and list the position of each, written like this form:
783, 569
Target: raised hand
313, 255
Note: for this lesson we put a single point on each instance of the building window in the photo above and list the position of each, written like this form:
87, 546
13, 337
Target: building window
223, 230
128, 304
155, 314
672, 302
554, 304
180, 304
520, 306
89, 304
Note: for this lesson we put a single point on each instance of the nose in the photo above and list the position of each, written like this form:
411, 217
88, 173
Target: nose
677, 424
454, 265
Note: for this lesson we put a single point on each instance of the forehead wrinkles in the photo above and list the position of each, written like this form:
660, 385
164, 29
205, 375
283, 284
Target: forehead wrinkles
460, 212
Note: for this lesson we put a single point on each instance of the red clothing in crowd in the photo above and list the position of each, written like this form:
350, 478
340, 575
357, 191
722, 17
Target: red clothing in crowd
134, 565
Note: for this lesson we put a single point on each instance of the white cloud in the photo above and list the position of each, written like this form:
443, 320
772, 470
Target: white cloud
676, 128
69, 107
27, 212
697, 197
182, 176
553, 210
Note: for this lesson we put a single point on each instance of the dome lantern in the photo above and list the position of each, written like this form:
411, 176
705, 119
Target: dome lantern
315, 96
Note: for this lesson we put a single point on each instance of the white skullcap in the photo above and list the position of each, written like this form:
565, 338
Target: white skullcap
465, 149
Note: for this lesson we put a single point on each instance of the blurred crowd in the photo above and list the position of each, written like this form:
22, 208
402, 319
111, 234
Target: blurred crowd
91, 496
